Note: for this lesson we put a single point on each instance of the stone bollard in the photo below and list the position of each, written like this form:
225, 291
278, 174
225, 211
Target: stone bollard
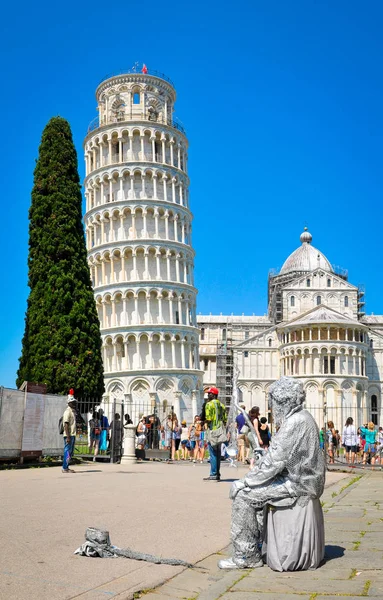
129, 454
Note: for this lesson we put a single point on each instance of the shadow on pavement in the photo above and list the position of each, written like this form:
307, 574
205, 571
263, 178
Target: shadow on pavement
332, 552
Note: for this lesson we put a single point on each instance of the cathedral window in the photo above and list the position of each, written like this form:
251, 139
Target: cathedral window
371, 343
346, 301
246, 354
270, 342
292, 301
224, 335
308, 282
328, 282
202, 333
205, 364
319, 300
247, 334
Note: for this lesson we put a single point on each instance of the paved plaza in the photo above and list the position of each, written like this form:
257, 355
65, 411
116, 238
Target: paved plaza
166, 509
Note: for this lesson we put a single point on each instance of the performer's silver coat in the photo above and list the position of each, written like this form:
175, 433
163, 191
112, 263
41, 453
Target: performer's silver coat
293, 470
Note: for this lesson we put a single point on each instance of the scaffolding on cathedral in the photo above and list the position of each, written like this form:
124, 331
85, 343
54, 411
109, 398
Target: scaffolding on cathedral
225, 372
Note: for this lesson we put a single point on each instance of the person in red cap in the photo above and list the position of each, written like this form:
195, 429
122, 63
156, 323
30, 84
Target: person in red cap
215, 418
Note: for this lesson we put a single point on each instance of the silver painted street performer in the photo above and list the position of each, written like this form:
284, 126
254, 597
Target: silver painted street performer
289, 479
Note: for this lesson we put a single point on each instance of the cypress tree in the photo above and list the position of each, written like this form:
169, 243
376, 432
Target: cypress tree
62, 343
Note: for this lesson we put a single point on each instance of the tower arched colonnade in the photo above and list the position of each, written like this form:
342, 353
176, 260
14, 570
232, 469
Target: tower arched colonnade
154, 306
135, 183
127, 223
134, 351
135, 144
138, 263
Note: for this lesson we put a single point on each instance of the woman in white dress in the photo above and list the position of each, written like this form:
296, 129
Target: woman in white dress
349, 440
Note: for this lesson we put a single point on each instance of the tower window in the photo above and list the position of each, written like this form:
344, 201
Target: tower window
292, 301
136, 98
325, 365
177, 317
374, 409
328, 282
319, 300
346, 301
332, 365
202, 333
308, 282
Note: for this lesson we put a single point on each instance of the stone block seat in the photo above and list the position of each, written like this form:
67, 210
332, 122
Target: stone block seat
294, 536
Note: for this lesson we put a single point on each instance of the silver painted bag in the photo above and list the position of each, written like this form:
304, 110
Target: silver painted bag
216, 436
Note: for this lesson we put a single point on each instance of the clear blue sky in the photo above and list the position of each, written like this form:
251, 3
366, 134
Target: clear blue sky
282, 102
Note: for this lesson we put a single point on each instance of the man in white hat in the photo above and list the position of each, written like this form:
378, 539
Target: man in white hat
69, 424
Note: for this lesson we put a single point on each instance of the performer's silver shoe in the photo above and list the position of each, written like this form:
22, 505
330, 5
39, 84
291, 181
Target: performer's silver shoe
228, 563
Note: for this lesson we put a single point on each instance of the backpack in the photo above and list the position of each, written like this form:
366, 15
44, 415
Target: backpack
61, 426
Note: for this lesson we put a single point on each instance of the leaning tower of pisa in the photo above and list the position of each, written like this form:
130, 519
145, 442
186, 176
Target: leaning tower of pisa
138, 231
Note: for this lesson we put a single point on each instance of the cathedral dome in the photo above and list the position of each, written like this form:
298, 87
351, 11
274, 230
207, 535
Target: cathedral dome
306, 257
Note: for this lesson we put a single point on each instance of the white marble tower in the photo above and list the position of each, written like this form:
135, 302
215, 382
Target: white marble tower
138, 231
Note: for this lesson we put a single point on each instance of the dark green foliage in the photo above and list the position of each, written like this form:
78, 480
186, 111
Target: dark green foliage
62, 342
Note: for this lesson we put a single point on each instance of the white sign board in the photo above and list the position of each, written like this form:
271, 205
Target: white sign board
33, 427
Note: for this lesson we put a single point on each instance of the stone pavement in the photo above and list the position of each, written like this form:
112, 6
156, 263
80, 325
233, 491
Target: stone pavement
354, 557
160, 509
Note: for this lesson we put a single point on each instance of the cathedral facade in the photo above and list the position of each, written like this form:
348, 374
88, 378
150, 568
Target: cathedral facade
315, 330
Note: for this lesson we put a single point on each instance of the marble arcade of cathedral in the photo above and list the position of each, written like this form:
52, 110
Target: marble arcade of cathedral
138, 232
315, 329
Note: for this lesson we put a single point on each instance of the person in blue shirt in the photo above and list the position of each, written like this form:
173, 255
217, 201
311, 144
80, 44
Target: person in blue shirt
370, 446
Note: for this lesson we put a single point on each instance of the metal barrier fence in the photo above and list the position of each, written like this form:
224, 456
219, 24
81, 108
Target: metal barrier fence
29, 426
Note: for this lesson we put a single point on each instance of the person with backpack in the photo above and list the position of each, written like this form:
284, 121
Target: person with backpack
215, 418
69, 431
94, 434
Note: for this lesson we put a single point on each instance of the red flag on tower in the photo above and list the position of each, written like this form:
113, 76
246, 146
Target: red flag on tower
144, 69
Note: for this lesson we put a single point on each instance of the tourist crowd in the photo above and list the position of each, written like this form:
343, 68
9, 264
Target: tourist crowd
189, 441
356, 445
